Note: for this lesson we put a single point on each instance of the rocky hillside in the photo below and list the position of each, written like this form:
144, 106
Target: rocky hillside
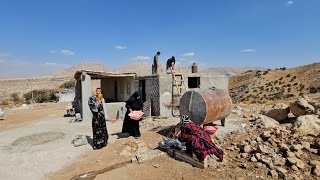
281, 84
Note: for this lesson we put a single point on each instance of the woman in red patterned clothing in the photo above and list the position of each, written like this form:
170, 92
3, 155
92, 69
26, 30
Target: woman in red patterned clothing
197, 140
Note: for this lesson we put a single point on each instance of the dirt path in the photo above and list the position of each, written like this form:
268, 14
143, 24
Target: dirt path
18, 117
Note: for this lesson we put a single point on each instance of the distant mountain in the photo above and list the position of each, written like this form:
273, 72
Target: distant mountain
69, 72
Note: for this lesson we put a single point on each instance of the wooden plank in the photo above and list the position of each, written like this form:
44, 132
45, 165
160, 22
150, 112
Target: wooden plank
186, 158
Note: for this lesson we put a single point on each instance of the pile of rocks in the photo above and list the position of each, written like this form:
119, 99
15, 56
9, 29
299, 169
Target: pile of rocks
284, 139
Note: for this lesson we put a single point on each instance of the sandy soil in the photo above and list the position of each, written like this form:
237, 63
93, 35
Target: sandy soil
17, 117
34, 146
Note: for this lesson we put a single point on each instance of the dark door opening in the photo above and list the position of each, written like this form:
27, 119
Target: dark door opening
142, 89
194, 82
116, 91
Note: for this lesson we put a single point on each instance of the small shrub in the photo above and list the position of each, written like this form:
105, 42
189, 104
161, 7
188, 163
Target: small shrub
295, 84
314, 89
288, 75
68, 85
4, 103
41, 96
15, 97
280, 78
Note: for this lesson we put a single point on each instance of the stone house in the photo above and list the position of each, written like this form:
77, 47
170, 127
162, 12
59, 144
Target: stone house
158, 92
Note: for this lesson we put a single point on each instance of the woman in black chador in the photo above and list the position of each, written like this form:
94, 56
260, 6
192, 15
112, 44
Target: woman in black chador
134, 103
99, 128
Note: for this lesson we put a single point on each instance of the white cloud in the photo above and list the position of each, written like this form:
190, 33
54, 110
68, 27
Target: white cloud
141, 58
4, 54
52, 51
24, 69
248, 50
67, 52
289, 3
120, 47
188, 54
50, 63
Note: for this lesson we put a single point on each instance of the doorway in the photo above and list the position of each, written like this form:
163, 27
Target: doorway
142, 89
116, 91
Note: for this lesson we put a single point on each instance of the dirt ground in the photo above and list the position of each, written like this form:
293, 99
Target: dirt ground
36, 144
17, 117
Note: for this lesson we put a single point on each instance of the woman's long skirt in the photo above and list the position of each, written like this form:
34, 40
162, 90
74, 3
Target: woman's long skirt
100, 132
131, 126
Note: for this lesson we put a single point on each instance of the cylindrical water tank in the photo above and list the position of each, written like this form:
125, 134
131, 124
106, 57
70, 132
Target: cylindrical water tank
194, 68
205, 106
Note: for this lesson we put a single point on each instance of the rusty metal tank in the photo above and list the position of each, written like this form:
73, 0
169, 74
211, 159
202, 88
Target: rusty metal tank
206, 106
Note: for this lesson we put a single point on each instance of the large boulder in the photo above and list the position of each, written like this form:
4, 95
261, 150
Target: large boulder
278, 111
265, 121
308, 124
301, 107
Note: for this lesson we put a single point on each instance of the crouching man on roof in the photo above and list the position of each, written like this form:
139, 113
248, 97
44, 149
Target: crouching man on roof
197, 140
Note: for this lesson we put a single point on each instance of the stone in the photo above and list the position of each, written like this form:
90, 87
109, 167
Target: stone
315, 104
244, 166
289, 154
305, 145
282, 171
316, 143
259, 164
253, 159
265, 135
298, 153
80, 140
315, 163
308, 124
247, 149
244, 155
315, 151
264, 149
297, 162
265, 121
273, 174
279, 161
296, 147
259, 139
301, 107
230, 148
283, 147
316, 171
258, 156
278, 112
294, 168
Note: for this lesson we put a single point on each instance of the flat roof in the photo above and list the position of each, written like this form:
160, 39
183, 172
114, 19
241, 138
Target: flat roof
101, 74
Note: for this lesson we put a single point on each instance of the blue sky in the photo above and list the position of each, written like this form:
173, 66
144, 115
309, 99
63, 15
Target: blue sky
41, 36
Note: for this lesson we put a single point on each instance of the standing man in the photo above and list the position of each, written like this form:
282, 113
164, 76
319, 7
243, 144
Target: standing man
155, 63
170, 64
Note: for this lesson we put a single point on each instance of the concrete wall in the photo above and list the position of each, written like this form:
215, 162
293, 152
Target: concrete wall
116, 111
125, 88
165, 87
85, 94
